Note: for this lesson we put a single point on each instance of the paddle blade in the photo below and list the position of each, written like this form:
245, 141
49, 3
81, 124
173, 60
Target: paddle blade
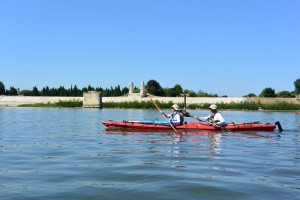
186, 114
279, 126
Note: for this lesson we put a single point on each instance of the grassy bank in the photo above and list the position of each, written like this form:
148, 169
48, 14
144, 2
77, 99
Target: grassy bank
59, 104
281, 106
232, 106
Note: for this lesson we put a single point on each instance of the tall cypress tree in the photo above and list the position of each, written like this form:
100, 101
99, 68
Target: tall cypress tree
35, 91
297, 86
2, 88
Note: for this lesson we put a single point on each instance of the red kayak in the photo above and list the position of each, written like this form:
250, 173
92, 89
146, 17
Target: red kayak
246, 126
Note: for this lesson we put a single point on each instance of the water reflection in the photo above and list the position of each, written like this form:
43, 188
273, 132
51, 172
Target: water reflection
213, 138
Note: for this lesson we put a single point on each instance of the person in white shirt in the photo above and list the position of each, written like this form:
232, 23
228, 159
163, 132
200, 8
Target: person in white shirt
215, 118
175, 117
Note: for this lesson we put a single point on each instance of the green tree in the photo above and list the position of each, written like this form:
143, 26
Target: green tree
205, 94
136, 90
178, 90
106, 92
118, 91
35, 91
75, 91
62, 91
2, 88
154, 88
90, 88
53, 92
190, 93
297, 86
125, 90
26, 93
169, 92
45, 91
174, 91
12, 91
268, 92
250, 95
285, 94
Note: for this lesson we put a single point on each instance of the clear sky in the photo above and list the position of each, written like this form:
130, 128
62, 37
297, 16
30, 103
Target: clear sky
224, 47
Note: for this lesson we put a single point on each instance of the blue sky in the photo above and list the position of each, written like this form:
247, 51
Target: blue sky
224, 47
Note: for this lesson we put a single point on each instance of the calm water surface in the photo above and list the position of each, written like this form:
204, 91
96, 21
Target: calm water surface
68, 154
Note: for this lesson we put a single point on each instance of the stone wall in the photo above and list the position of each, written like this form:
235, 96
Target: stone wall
19, 100
189, 100
201, 100
12, 101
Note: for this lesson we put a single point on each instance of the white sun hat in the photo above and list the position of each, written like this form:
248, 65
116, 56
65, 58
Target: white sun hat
175, 106
213, 107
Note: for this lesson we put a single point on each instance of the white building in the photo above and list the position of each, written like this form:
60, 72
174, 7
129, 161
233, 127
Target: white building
142, 92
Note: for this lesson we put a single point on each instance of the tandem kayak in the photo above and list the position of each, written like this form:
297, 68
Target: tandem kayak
148, 125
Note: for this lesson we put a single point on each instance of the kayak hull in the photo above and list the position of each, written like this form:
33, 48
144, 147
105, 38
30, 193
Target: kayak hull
190, 126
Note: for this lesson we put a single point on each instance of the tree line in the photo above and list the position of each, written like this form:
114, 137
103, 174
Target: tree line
74, 91
270, 92
153, 87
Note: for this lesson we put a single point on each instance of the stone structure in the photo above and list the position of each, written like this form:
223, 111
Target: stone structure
131, 88
92, 99
142, 90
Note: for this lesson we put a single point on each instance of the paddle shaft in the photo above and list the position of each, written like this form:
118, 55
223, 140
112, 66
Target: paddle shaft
187, 114
201, 121
163, 114
195, 117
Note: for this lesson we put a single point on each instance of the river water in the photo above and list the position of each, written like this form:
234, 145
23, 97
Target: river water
50, 153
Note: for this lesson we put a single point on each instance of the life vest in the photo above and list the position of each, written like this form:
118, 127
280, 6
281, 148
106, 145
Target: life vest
211, 117
180, 115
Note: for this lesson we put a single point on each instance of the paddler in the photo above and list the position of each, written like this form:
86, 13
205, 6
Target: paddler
215, 118
175, 117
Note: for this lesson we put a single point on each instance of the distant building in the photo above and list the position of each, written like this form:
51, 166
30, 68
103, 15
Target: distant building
142, 92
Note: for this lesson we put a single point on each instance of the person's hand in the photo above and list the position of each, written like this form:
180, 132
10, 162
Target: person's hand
216, 125
198, 118
213, 124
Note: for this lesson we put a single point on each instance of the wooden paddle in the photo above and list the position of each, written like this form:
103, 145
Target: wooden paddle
163, 114
187, 114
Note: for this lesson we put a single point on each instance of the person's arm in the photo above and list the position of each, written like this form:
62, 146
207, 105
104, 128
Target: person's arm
202, 118
164, 114
169, 116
